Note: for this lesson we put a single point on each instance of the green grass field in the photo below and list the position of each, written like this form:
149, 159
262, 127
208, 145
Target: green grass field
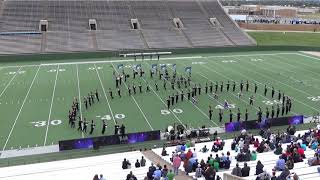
35, 97
288, 39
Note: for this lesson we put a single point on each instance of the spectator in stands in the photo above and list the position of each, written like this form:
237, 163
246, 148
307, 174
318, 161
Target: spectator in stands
209, 173
151, 169
237, 171
227, 163
261, 147
278, 150
164, 152
296, 156
170, 175
130, 176
137, 164
233, 145
96, 177
290, 163
259, 167
199, 171
194, 153
125, 164
280, 164
291, 130
142, 162
284, 174
256, 143
164, 171
274, 177
176, 164
204, 149
263, 176
157, 174
253, 156
314, 161
229, 155
101, 177
189, 154
245, 171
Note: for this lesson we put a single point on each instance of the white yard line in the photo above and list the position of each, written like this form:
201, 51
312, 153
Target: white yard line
304, 55
18, 115
134, 99
9, 82
194, 104
164, 103
105, 94
79, 98
50, 111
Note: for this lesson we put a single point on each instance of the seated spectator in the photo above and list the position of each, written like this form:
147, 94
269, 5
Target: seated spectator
253, 156
157, 174
233, 145
142, 162
259, 167
291, 130
189, 154
130, 176
263, 176
194, 153
240, 156
204, 149
256, 143
300, 151
164, 152
151, 169
229, 155
101, 177
216, 165
227, 163
284, 174
296, 157
273, 177
209, 173
125, 164
280, 164
278, 150
137, 164
314, 161
170, 175
199, 171
245, 171
183, 147
247, 156
261, 147
214, 148
290, 163
236, 171
241, 143
96, 177
164, 171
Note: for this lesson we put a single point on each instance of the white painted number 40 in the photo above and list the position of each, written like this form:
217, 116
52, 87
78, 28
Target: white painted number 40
108, 117
167, 112
44, 123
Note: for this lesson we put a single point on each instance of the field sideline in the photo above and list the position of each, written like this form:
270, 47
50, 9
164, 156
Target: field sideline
35, 98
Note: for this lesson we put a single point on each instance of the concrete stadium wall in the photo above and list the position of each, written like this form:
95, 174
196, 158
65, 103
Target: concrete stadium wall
281, 27
75, 56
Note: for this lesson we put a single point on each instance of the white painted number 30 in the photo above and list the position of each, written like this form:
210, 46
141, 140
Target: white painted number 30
44, 123
166, 112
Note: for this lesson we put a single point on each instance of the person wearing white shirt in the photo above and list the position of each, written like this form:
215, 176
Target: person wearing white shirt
101, 177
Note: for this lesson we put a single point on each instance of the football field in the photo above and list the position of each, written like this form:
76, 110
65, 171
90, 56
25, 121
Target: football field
35, 97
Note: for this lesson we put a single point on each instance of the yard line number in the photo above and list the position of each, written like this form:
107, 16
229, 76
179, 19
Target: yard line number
228, 61
230, 106
18, 72
270, 103
167, 112
108, 117
256, 60
314, 98
44, 123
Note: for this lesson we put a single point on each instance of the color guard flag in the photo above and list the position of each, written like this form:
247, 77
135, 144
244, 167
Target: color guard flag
188, 69
120, 66
163, 67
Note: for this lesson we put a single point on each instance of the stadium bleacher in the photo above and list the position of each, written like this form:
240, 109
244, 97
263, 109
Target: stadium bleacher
110, 165
68, 28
